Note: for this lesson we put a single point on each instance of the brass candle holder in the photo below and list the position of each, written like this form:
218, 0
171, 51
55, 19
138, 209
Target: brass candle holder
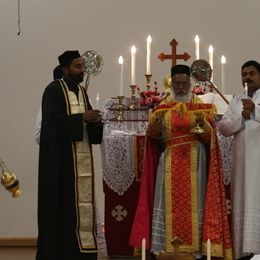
148, 80
133, 97
9, 181
120, 115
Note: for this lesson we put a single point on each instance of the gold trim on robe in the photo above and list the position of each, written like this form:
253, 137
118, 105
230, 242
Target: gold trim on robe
190, 144
84, 178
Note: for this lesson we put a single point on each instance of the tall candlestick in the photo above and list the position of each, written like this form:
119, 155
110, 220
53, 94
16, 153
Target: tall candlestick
197, 47
223, 62
143, 248
121, 63
148, 55
208, 250
133, 54
246, 90
97, 100
211, 59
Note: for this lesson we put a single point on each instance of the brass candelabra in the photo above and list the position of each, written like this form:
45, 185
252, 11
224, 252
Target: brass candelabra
133, 97
9, 181
148, 80
120, 115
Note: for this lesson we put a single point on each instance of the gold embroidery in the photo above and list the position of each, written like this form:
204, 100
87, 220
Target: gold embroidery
84, 183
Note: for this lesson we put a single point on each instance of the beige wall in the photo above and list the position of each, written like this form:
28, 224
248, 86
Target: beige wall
110, 27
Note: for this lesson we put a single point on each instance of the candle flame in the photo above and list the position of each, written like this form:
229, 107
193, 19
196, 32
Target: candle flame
223, 59
210, 49
120, 60
97, 97
149, 39
133, 49
197, 39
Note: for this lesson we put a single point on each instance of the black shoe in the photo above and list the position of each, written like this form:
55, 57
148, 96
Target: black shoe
247, 257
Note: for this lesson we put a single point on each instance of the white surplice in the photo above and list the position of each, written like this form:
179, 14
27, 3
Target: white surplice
245, 184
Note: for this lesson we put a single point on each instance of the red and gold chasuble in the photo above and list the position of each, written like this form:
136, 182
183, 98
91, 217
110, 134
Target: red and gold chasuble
181, 183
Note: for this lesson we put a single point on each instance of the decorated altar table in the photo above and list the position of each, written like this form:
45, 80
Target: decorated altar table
122, 158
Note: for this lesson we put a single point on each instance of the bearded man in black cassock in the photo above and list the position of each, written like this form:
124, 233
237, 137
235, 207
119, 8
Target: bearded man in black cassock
66, 204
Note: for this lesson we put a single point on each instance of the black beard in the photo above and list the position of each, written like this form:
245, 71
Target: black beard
249, 81
77, 79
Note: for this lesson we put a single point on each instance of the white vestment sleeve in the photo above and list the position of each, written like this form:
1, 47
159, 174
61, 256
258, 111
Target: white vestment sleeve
256, 114
232, 121
38, 126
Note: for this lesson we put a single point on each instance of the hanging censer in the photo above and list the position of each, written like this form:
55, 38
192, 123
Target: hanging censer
9, 181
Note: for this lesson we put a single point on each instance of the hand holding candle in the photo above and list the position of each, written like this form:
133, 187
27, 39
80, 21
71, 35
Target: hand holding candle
148, 55
121, 63
133, 54
246, 90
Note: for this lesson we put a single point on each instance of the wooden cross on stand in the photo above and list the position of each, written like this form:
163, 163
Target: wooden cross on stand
174, 56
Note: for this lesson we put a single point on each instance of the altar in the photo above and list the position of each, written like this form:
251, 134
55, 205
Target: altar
122, 159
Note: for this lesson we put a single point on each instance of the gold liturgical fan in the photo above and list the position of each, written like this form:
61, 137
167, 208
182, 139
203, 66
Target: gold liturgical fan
201, 71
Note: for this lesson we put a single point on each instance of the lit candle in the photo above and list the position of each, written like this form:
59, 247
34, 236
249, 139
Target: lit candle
133, 53
223, 61
143, 248
208, 250
197, 47
246, 90
211, 59
148, 55
121, 63
97, 100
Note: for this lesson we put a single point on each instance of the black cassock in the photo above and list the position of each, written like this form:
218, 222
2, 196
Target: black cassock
57, 207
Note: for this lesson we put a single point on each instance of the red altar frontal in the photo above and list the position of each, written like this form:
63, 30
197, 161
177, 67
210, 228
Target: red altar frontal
122, 160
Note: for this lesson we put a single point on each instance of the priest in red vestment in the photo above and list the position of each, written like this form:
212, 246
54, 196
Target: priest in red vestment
182, 191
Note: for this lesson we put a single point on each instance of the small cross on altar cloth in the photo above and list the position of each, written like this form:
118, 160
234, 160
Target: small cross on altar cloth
174, 56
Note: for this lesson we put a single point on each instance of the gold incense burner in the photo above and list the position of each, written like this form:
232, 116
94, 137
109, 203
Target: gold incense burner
198, 119
9, 181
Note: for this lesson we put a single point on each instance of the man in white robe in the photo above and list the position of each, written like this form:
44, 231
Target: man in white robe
242, 119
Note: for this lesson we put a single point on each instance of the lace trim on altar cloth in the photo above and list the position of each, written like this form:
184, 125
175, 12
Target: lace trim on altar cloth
118, 162
118, 148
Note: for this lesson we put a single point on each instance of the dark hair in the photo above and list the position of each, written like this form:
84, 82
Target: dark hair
57, 72
251, 63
